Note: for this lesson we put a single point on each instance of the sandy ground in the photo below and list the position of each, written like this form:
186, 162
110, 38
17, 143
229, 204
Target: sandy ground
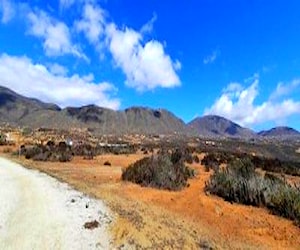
38, 212
147, 218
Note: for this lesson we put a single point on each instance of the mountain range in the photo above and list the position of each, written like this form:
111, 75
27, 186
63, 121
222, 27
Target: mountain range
18, 110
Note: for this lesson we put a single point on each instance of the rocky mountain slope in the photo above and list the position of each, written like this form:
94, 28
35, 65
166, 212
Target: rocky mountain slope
18, 110
216, 126
22, 111
280, 133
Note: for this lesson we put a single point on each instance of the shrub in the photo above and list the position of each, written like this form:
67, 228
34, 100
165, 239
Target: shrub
50, 144
176, 156
196, 159
189, 159
31, 152
43, 156
2, 139
65, 157
159, 172
285, 202
210, 161
240, 183
107, 163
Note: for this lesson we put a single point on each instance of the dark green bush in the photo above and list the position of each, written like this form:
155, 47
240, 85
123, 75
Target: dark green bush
159, 172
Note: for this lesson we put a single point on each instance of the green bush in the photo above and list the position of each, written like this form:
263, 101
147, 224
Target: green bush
159, 172
240, 183
45, 153
286, 202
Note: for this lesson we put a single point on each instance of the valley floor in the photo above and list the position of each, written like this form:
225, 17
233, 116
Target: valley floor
146, 218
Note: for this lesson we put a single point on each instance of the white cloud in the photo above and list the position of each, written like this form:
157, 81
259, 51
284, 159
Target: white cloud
92, 23
212, 57
146, 66
238, 104
64, 4
285, 89
148, 27
36, 80
144, 62
7, 10
57, 69
55, 34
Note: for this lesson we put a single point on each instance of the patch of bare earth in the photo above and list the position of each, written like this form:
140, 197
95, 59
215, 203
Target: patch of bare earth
189, 219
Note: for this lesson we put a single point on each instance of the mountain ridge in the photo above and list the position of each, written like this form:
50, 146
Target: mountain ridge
280, 131
19, 110
217, 126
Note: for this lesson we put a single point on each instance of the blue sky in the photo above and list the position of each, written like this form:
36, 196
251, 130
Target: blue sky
237, 59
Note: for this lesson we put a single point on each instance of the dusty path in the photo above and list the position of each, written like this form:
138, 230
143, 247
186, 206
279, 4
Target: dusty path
38, 212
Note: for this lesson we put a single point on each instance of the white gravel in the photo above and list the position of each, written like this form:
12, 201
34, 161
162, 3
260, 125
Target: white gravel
39, 212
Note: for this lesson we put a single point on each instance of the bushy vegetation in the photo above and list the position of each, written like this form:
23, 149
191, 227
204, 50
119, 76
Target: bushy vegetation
2, 139
213, 160
277, 166
163, 171
50, 152
63, 152
240, 183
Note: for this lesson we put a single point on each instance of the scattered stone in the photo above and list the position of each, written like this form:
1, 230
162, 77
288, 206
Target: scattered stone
91, 225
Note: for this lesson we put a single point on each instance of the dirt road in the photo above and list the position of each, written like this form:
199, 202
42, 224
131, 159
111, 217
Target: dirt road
38, 212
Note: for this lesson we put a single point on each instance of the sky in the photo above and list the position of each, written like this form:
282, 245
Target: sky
237, 59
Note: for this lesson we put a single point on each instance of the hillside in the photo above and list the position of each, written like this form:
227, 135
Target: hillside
22, 111
18, 110
216, 126
280, 133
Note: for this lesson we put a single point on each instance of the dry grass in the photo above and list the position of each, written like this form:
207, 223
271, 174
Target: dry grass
149, 218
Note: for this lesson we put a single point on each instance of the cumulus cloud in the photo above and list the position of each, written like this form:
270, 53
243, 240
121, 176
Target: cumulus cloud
237, 103
36, 80
212, 57
55, 34
7, 10
144, 62
92, 23
146, 66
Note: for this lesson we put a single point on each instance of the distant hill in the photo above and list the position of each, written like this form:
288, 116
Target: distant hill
217, 126
22, 111
280, 132
19, 110
14, 108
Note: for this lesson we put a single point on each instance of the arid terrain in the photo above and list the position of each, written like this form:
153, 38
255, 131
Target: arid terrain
147, 218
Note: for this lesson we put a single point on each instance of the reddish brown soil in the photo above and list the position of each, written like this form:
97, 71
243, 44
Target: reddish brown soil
188, 219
